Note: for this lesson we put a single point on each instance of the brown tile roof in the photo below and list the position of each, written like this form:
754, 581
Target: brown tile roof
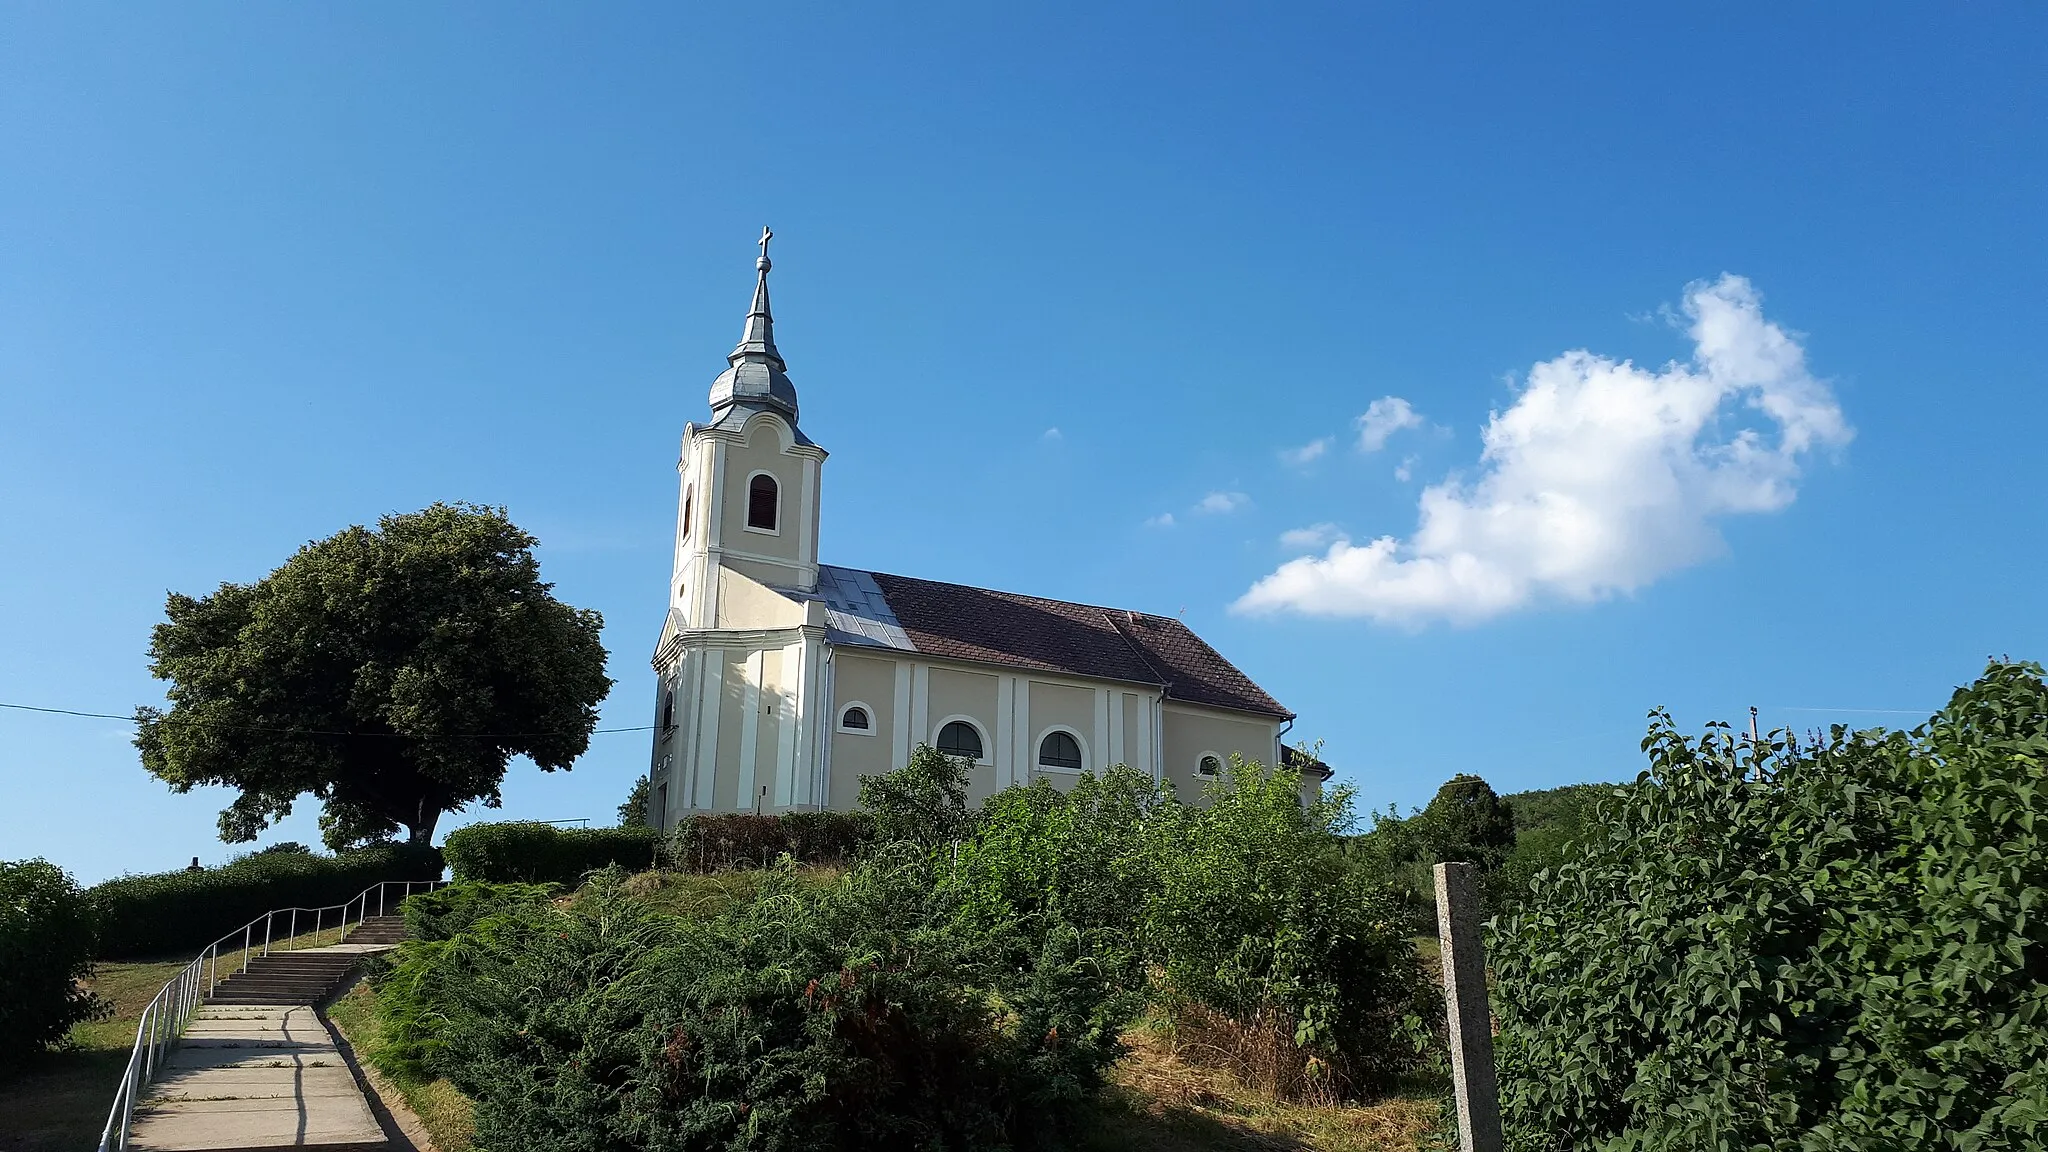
988, 627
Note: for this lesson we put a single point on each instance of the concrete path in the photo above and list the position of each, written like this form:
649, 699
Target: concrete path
256, 1076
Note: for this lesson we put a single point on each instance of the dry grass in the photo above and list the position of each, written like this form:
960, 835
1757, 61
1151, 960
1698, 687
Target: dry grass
1160, 1102
447, 1115
59, 1103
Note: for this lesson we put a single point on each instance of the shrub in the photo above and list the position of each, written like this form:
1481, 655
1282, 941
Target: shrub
46, 948
1827, 947
1258, 915
712, 843
440, 914
524, 852
923, 802
171, 912
1274, 950
859, 1015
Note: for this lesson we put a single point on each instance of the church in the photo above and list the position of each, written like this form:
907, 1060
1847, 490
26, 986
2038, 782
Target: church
781, 681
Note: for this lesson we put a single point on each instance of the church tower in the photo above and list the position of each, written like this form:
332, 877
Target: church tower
749, 478
740, 654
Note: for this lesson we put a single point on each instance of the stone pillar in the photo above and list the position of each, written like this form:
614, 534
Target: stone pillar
1470, 1023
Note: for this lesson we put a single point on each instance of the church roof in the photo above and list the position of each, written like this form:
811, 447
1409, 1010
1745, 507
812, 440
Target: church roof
983, 626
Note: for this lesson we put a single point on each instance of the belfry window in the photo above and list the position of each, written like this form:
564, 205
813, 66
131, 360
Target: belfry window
762, 498
1060, 750
668, 709
960, 739
689, 502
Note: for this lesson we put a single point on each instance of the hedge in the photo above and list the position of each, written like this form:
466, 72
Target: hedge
744, 840
520, 852
172, 912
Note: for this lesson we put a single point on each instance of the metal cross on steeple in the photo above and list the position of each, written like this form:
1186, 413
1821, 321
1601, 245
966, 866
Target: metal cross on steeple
767, 234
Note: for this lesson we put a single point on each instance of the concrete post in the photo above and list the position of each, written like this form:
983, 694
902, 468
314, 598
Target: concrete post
1470, 1022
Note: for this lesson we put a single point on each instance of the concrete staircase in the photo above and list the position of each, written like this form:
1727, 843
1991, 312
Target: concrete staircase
378, 930
307, 975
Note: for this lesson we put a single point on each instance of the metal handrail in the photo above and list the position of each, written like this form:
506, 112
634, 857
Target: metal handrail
164, 1020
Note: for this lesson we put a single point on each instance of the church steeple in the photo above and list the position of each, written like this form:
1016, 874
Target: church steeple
757, 377
759, 337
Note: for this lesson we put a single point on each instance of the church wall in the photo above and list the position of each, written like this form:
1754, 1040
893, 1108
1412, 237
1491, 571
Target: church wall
735, 687
1190, 732
1136, 750
873, 683
766, 719
744, 602
1065, 706
955, 692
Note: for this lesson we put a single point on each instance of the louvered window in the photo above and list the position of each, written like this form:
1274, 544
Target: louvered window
761, 501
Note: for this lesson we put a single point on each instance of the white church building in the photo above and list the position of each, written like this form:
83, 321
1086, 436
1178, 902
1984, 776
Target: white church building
781, 681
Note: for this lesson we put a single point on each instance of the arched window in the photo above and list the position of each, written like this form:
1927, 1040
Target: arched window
960, 739
1060, 750
668, 709
689, 502
1210, 766
762, 497
855, 718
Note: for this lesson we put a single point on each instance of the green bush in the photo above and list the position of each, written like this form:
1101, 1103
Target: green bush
742, 840
1837, 947
172, 912
923, 802
524, 852
442, 913
46, 948
1259, 915
857, 1015
1257, 923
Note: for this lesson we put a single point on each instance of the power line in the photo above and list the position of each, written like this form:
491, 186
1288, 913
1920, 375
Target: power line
324, 732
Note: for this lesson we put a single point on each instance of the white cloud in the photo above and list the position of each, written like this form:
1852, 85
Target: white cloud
1308, 452
1163, 520
1601, 477
1052, 434
1218, 503
1384, 417
1405, 469
1312, 537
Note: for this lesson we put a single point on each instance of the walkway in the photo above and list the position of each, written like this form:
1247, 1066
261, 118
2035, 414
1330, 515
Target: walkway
252, 1076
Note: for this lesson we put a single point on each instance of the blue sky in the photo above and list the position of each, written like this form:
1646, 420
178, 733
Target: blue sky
269, 270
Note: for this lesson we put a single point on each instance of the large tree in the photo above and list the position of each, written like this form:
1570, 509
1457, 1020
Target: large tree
390, 673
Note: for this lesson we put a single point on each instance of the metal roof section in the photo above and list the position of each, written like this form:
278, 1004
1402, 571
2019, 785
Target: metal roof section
757, 378
856, 612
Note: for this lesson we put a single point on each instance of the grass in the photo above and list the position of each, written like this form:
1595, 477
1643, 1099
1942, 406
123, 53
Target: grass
1158, 1102
59, 1103
446, 1114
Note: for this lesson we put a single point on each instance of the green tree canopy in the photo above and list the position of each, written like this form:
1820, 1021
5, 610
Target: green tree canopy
1466, 820
390, 673
633, 811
